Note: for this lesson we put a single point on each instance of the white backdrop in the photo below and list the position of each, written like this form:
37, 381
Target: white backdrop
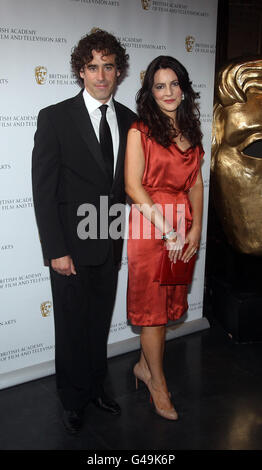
34, 33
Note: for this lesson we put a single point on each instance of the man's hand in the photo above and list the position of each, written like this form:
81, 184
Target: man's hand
64, 265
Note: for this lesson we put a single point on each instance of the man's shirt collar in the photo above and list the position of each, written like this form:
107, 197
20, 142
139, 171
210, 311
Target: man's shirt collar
92, 104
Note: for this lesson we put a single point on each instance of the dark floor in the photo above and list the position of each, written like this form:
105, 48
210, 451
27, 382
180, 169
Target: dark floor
217, 388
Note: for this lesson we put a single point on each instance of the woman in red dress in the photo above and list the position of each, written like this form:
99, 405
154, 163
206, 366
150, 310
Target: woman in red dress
162, 171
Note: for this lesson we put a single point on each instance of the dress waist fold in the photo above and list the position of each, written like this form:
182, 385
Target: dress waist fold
183, 199
164, 190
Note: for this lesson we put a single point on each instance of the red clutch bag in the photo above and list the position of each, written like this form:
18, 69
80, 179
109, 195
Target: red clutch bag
169, 273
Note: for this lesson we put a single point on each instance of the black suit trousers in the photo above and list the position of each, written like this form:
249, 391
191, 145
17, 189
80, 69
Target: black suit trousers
83, 305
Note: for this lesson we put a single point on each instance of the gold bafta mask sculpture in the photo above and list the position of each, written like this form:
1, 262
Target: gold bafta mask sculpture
40, 74
236, 166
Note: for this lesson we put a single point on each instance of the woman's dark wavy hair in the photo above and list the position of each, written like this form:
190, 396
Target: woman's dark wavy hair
187, 116
100, 41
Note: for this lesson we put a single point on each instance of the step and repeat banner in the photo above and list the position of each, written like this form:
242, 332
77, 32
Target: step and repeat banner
36, 38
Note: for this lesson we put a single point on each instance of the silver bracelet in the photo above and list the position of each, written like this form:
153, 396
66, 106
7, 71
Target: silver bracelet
168, 235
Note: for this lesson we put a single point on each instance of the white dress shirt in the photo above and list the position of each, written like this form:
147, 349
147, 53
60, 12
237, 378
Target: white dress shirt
92, 106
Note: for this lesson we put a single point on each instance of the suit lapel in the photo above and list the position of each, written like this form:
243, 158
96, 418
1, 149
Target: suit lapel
83, 122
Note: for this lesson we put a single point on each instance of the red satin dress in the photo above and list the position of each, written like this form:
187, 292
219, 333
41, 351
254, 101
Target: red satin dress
168, 176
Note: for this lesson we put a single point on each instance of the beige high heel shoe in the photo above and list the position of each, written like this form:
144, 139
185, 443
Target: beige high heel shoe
139, 375
170, 414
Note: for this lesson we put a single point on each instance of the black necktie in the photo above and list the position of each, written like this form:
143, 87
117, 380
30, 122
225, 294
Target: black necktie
106, 143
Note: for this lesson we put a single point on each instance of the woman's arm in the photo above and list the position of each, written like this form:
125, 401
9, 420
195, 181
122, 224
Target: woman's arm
134, 170
194, 234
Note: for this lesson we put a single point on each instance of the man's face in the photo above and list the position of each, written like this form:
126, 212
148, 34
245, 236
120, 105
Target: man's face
100, 76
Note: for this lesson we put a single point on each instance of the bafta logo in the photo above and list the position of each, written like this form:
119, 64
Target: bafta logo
40, 74
146, 4
94, 30
142, 76
189, 42
45, 308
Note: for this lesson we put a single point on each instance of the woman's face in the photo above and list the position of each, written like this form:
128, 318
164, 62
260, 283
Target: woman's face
166, 91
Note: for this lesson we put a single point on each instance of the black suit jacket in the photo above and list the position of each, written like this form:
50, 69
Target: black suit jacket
68, 170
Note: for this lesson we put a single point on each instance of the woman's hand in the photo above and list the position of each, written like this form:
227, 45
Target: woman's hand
193, 240
175, 246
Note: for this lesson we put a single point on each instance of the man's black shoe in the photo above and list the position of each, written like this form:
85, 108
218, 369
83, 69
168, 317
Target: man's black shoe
106, 403
73, 421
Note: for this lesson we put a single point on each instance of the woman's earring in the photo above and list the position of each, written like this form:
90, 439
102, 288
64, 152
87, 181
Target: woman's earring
182, 97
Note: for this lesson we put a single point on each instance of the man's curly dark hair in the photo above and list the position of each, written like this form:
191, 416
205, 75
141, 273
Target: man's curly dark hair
100, 41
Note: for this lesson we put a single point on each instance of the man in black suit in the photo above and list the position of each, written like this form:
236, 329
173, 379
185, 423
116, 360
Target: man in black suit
78, 158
